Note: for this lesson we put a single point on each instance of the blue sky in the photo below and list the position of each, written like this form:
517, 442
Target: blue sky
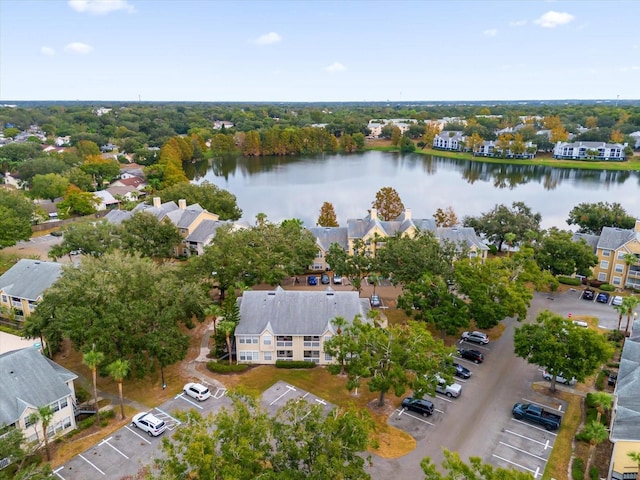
318, 50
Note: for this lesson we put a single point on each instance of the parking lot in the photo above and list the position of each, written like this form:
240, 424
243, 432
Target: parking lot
276, 396
129, 448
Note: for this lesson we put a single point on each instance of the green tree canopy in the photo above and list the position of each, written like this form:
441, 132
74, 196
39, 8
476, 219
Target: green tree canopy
129, 308
94, 239
388, 203
77, 202
495, 224
592, 217
244, 442
560, 255
144, 234
208, 196
562, 347
16, 214
49, 186
455, 468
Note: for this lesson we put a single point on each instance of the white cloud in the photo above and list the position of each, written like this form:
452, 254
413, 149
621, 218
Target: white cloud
518, 23
552, 19
268, 38
48, 51
335, 67
101, 7
490, 32
78, 47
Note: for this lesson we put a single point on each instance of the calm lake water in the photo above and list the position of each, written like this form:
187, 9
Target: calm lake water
297, 187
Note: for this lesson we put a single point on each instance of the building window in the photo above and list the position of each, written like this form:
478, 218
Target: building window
27, 421
312, 356
602, 277
249, 340
619, 268
328, 358
312, 341
284, 355
4, 299
284, 341
248, 356
66, 423
267, 339
55, 407
604, 264
617, 281
267, 356
606, 253
621, 254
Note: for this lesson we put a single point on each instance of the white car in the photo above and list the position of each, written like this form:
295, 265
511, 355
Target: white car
617, 300
337, 279
454, 390
197, 391
148, 422
559, 378
475, 337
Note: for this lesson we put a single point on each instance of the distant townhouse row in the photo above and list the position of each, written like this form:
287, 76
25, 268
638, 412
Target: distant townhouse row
457, 142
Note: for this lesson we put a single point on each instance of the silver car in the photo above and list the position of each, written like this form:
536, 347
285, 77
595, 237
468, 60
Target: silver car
475, 337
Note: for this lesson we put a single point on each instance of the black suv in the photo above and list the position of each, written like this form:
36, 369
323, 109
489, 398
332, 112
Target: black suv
474, 355
588, 294
418, 405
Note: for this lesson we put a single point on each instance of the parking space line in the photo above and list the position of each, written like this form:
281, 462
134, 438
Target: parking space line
543, 405
475, 345
285, 393
321, 401
137, 434
523, 451
106, 441
82, 457
535, 472
172, 418
220, 392
533, 426
400, 412
528, 438
439, 411
181, 395
443, 398
55, 472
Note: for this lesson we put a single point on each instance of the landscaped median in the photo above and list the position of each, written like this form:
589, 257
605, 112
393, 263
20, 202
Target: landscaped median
391, 442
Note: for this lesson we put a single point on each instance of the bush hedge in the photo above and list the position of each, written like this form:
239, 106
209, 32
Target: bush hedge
570, 281
594, 474
294, 364
607, 287
577, 469
216, 367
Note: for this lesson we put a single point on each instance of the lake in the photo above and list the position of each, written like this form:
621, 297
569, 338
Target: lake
296, 187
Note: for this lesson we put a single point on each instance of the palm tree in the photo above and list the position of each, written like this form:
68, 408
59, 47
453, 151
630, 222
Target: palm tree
92, 359
596, 433
603, 402
227, 327
629, 303
214, 310
509, 238
635, 456
119, 369
621, 311
44, 415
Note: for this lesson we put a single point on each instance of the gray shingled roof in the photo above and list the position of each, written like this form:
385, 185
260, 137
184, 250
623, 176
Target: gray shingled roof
290, 312
461, 235
626, 423
118, 216
358, 228
613, 238
205, 231
29, 278
591, 240
29, 379
326, 236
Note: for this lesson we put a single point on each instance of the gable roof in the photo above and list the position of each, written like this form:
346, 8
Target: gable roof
29, 379
326, 236
294, 312
205, 231
359, 227
29, 278
626, 421
613, 238
465, 236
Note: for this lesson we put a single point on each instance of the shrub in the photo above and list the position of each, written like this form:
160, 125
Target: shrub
86, 423
493, 250
570, 281
294, 364
82, 394
216, 367
577, 469
615, 336
607, 287
602, 376
594, 473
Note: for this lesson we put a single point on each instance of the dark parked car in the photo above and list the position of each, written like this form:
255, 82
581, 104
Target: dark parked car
602, 297
418, 405
588, 294
613, 378
324, 279
474, 355
312, 280
461, 371
375, 301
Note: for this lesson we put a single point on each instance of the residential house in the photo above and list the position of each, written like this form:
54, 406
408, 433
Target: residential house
30, 380
106, 201
465, 238
615, 249
624, 431
127, 193
196, 225
491, 148
589, 150
292, 324
375, 126
449, 140
130, 181
22, 286
325, 237
219, 124
636, 138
